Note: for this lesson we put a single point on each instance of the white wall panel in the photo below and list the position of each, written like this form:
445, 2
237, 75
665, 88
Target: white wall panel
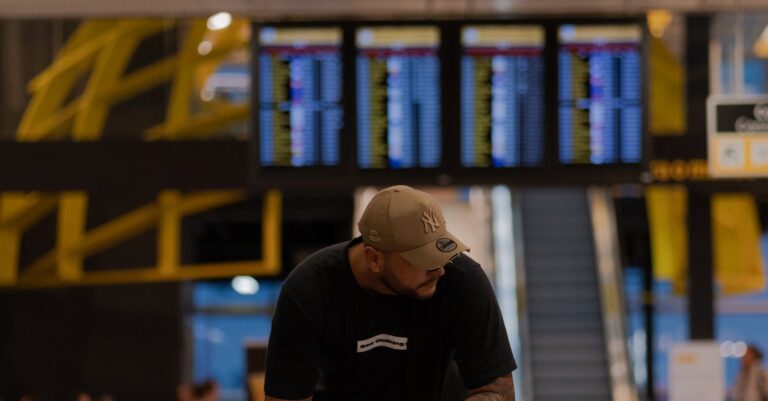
718, 4
674, 5
236, 7
298, 9
449, 7
752, 4
548, 6
97, 8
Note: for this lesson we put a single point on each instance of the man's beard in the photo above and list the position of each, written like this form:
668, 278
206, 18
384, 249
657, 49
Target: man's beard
391, 281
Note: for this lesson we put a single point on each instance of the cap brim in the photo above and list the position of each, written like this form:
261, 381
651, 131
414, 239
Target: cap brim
435, 254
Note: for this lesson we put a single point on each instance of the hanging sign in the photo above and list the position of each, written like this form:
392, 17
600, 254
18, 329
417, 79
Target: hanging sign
696, 372
737, 136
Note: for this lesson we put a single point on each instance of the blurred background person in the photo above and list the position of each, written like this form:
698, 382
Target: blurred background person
752, 382
205, 391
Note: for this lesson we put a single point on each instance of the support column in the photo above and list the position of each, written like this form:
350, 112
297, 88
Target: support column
700, 270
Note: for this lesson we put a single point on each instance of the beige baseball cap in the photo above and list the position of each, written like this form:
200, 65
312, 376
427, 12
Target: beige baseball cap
410, 223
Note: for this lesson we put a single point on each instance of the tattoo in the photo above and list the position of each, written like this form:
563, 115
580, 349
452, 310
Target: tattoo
501, 389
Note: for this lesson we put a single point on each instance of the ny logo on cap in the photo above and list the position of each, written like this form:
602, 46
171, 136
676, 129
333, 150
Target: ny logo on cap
429, 218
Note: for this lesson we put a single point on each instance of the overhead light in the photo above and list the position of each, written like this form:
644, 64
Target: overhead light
726, 349
739, 349
760, 48
658, 21
245, 285
219, 21
207, 95
204, 47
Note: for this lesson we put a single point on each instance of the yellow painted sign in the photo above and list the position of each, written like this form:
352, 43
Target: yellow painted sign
679, 170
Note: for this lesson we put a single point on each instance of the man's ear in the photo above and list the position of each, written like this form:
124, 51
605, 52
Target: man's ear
374, 259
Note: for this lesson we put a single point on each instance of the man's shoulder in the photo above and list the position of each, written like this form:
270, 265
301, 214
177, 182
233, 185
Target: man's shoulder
316, 270
465, 279
464, 270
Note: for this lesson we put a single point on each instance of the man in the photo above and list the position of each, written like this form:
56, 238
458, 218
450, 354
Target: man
752, 382
380, 317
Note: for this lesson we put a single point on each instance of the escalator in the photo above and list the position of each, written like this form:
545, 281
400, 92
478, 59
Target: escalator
571, 319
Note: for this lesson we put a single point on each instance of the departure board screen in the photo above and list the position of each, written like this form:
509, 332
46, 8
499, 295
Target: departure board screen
600, 102
300, 93
398, 97
502, 96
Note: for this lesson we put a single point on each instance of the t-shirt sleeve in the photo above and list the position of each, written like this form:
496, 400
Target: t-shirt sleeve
482, 350
293, 353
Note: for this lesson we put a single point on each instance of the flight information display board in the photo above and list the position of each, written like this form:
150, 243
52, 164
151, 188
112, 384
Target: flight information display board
300, 94
502, 96
398, 97
600, 94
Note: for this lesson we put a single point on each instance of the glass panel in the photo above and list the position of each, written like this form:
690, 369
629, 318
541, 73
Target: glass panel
220, 349
743, 45
755, 53
636, 330
670, 323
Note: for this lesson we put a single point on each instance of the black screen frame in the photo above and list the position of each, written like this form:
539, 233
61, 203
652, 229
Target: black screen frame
309, 177
645, 148
552, 172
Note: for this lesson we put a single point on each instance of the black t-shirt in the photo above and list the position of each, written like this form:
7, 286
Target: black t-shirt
336, 341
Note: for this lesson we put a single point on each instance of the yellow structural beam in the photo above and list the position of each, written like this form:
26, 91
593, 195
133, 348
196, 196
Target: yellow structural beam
165, 270
52, 87
18, 211
10, 237
91, 38
45, 103
10, 241
106, 46
148, 275
109, 67
200, 126
155, 74
141, 80
71, 229
198, 202
59, 124
181, 91
129, 225
77, 54
168, 233
22, 209
271, 232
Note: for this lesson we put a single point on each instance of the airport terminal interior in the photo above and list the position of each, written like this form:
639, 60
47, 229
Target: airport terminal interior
164, 166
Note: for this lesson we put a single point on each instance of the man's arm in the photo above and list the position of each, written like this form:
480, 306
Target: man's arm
293, 352
501, 389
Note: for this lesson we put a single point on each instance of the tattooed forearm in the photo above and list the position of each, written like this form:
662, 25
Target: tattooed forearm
501, 389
